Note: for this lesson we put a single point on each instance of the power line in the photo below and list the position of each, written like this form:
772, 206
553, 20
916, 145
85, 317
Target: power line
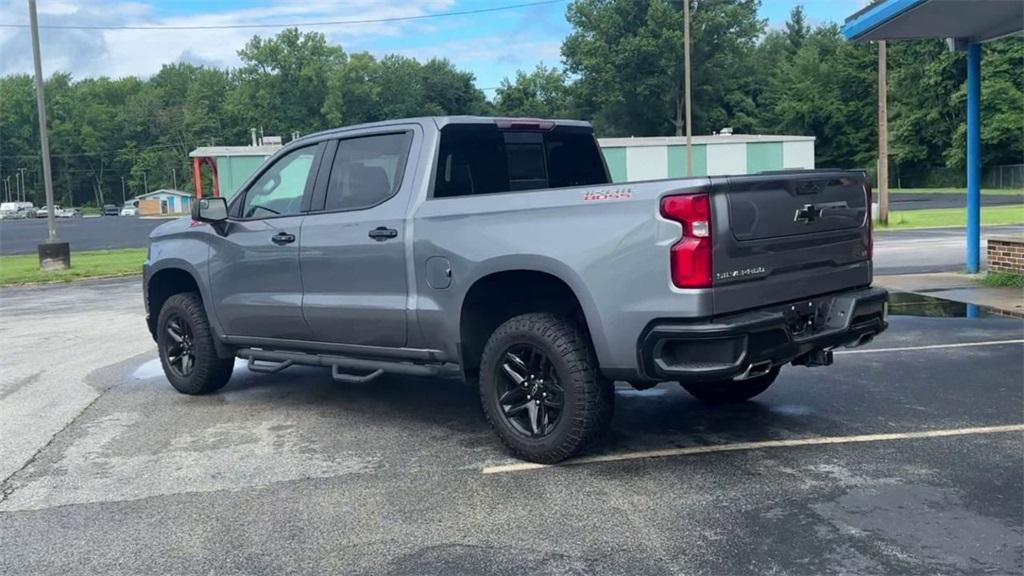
296, 24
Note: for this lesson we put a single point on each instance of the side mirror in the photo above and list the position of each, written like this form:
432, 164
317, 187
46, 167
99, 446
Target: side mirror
213, 209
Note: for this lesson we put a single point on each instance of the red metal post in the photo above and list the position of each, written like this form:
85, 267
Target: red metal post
198, 175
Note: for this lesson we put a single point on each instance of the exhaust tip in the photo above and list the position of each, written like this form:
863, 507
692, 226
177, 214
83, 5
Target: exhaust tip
755, 369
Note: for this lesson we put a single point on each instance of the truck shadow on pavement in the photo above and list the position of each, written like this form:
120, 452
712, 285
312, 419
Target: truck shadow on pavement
664, 416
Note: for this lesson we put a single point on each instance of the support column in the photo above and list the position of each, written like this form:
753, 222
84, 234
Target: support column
973, 158
197, 174
883, 136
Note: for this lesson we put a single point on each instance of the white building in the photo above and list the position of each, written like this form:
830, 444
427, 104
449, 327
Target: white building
164, 202
632, 159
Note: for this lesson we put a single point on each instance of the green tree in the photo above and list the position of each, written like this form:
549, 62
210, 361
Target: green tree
796, 29
283, 83
1002, 107
542, 93
827, 89
629, 59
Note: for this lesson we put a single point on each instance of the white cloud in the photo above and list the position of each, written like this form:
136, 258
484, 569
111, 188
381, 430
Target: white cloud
117, 53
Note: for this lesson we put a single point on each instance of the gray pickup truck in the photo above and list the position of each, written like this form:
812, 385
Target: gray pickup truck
498, 251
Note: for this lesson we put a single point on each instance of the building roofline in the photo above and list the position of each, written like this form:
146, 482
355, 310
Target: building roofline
700, 140
164, 191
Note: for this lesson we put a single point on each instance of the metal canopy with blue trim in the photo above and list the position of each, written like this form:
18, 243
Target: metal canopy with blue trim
967, 20
966, 24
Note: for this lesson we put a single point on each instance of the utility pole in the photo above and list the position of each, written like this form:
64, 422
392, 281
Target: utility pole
145, 182
174, 178
53, 255
686, 86
22, 193
124, 198
883, 137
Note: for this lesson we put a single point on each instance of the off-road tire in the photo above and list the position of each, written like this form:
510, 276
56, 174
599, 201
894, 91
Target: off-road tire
588, 397
209, 372
731, 391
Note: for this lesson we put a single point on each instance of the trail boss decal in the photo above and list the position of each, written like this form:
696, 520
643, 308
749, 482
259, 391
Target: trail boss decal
616, 194
741, 273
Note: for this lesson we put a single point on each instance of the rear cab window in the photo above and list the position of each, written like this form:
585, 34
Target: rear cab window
488, 159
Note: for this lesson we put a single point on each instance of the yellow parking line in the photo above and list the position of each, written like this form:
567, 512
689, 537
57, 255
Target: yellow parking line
669, 452
931, 347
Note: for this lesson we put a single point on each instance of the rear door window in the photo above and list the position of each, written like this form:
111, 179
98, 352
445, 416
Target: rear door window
484, 159
367, 170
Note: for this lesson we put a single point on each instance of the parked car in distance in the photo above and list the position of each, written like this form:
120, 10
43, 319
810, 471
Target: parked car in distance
499, 251
42, 212
110, 210
70, 213
17, 210
129, 209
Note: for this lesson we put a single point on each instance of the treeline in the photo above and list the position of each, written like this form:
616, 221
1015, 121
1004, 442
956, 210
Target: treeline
622, 70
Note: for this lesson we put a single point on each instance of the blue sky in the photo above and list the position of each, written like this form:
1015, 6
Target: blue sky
491, 45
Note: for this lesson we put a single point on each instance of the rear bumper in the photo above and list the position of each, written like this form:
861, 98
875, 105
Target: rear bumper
731, 346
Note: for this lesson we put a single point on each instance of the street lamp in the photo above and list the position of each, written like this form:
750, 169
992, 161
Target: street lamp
53, 254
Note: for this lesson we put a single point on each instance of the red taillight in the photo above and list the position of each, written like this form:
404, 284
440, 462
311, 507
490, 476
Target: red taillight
690, 258
871, 222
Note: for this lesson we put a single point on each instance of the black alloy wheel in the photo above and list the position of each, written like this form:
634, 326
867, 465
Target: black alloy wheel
181, 357
531, 398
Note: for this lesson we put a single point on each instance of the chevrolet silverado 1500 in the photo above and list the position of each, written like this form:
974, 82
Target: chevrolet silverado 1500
498, 251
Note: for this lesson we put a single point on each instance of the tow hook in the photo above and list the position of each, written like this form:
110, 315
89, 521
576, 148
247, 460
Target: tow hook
814, 358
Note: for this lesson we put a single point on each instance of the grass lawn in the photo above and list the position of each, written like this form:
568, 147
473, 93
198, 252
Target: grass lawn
24, 268
987, 191
1002, 280
953, 217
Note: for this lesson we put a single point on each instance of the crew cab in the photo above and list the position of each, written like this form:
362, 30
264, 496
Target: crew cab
498, 251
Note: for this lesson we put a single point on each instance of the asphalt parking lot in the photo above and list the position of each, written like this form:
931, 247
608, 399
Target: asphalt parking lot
906, 457
105, 233
924, 201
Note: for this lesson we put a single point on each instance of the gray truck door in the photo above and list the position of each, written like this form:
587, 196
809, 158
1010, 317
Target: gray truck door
254, 262
353, 247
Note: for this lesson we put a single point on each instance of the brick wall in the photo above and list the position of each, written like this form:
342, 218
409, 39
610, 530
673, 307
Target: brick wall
1006, 254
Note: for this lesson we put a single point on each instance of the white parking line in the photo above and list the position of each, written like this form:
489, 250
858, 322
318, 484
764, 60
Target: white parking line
668, 452
932, 347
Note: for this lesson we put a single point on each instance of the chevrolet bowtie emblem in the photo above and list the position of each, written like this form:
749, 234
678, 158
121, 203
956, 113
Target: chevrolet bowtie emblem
809, 213
812, 212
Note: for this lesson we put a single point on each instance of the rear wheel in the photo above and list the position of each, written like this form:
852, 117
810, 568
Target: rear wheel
730, 391
541, 390
187, 353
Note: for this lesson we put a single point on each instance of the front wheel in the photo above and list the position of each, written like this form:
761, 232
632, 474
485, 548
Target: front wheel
187, 353
541, 389
731, 391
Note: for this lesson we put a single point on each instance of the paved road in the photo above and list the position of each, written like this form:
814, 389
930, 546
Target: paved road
112, 472
23, 236
928, 250
927, 201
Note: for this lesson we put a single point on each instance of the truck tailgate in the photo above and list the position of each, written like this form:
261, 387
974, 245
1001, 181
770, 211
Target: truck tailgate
783, 236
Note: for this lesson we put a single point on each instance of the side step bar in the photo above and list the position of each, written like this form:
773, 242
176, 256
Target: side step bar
340, 365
